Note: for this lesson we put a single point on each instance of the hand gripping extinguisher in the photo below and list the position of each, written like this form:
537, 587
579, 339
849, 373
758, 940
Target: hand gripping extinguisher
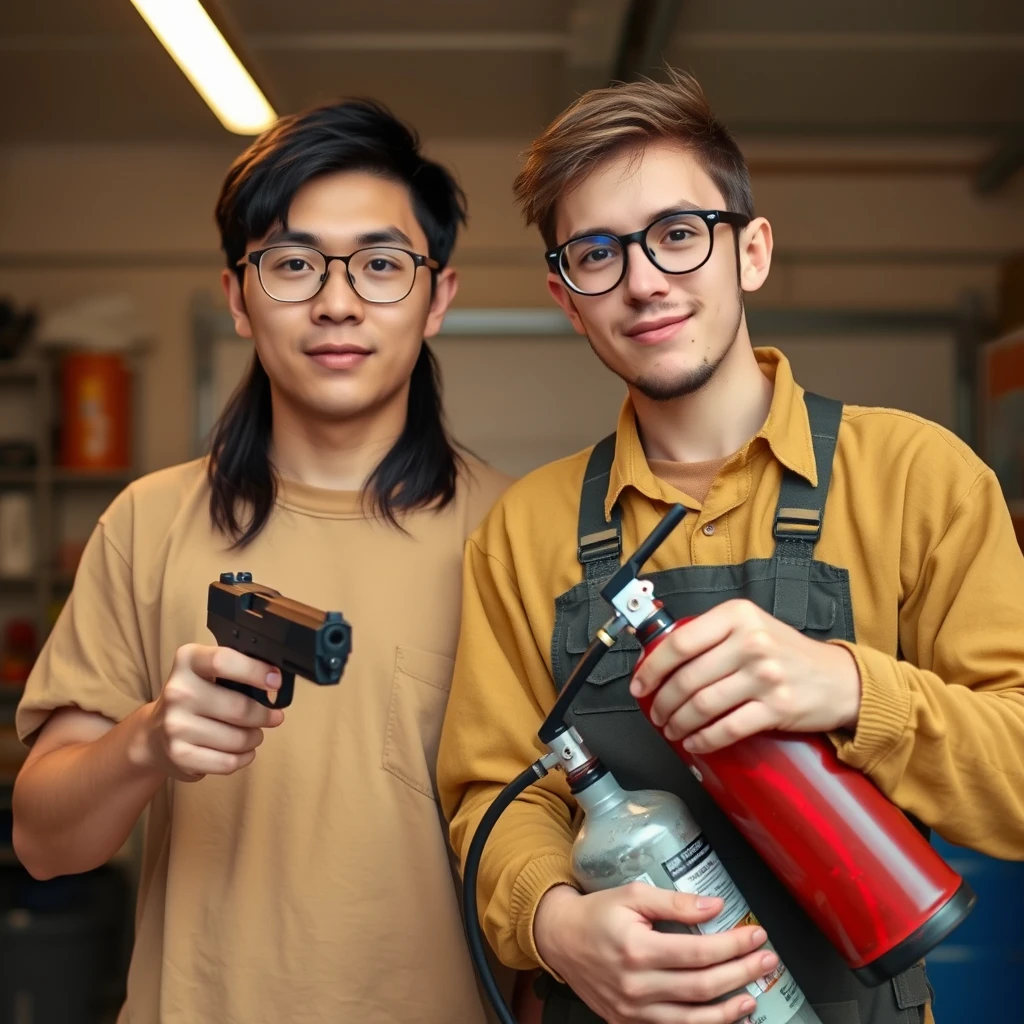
862, 872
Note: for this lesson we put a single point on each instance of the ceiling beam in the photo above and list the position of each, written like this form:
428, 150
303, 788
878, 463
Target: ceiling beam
410, 42
1001, 166
645, 37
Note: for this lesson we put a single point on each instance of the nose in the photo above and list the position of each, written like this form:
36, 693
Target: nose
337, 300
644, 281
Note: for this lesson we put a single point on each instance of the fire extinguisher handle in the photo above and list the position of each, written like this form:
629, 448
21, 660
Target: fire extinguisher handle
631, 566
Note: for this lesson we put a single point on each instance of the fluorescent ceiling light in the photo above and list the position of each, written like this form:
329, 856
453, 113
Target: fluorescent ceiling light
198, 48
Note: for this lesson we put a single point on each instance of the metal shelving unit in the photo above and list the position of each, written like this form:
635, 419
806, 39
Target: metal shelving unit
36, 377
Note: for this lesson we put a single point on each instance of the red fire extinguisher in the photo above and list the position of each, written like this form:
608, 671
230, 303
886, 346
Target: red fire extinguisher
853, 860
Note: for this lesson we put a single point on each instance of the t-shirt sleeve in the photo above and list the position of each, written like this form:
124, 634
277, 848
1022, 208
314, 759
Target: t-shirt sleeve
94, 657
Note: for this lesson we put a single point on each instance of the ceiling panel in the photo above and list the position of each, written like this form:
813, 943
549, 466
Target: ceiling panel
68, 17
138, 95
398, 15
839, 91
493, 95
92, 71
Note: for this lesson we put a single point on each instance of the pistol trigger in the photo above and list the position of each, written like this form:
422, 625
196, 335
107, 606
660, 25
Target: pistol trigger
286, 690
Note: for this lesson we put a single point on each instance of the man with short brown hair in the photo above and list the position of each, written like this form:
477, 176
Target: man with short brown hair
894, 627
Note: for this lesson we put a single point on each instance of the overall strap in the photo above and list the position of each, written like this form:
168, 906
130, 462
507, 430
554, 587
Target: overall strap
800, 512
600, 543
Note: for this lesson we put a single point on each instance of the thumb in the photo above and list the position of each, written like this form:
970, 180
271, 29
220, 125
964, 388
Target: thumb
668, 905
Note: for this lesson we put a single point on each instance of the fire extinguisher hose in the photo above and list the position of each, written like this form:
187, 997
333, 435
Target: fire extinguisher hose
476, 848
519, 784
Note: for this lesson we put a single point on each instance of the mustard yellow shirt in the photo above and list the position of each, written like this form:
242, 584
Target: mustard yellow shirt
937, 581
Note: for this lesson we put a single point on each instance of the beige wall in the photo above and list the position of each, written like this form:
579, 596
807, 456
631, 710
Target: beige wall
77, 220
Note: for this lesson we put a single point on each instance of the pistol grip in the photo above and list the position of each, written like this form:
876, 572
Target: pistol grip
284, 694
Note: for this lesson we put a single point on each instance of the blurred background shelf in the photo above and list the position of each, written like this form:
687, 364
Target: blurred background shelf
17, 477
20, 370
65, 500
97, 478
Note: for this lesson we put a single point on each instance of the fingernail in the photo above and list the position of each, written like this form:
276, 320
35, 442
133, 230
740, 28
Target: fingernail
758, 936
768, 961
748, 1006
273, 680
688, 745
706, 903
634, 688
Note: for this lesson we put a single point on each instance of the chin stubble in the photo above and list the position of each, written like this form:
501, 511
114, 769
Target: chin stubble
691, 381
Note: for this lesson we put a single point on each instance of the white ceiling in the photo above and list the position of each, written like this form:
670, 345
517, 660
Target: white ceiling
91, 71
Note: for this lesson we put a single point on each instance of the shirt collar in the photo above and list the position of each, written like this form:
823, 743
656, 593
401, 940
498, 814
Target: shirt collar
786, 430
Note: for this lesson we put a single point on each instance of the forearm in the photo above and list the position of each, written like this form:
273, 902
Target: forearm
526, 855
75, 806
501, 691
951, 755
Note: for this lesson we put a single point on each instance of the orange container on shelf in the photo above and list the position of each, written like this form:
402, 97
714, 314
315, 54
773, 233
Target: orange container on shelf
95, 411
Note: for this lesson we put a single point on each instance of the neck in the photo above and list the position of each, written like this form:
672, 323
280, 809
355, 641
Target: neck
712, 423
337, 455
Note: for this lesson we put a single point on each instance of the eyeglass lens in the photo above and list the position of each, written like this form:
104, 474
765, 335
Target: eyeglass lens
675, 244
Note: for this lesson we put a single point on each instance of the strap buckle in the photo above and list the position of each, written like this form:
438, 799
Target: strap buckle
595, 547
797, 524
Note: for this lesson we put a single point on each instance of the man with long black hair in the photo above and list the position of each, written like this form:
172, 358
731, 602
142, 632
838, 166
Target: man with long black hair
295, 865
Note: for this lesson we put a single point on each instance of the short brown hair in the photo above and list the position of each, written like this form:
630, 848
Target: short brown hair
623, 116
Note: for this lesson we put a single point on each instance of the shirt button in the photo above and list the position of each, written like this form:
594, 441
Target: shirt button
709, 529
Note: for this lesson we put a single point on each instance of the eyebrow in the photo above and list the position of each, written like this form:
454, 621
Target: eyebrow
279, 235
683, 206
381, 236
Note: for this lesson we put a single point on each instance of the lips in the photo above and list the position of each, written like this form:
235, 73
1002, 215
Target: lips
338, 357
651, 332
331, 350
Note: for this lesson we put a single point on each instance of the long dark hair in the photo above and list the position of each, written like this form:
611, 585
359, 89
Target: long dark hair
421, 468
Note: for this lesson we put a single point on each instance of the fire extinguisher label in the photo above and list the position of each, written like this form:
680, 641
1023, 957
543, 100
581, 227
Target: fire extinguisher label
697, 869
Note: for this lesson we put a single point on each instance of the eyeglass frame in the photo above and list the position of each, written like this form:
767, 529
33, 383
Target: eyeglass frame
710, 217
418, 259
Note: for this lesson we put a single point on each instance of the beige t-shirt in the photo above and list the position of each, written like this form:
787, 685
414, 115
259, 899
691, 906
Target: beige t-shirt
315, 885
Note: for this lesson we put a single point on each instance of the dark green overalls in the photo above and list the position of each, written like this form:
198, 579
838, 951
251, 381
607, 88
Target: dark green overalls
811, 596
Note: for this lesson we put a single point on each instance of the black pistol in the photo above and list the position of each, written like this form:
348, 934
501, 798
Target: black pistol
299, 639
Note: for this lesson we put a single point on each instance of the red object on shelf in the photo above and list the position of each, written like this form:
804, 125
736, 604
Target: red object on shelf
18, 653
95, 411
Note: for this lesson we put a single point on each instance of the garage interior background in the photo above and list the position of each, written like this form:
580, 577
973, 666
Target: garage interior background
886, 145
